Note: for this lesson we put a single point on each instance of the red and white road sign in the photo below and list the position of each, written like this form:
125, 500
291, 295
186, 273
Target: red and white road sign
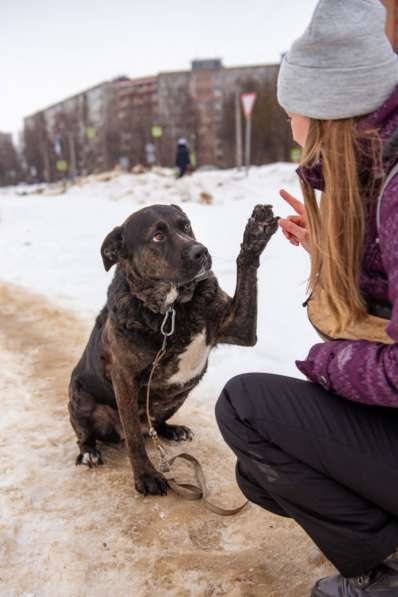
248, 100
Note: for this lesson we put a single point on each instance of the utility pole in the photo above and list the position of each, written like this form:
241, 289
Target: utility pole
248, 143
238, 131
248, 100
47, 168
44, 148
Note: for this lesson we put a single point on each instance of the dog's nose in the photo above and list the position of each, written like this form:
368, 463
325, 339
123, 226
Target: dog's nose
196, 252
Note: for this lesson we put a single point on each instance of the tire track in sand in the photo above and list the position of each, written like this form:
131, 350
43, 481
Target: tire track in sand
68, 531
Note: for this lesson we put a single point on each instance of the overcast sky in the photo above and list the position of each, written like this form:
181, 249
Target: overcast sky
50, 49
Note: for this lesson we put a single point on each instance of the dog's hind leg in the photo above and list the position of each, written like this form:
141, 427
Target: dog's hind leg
107, 425
82, 408
176, 433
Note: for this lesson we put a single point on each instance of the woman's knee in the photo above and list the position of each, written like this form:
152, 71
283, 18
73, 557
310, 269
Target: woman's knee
232, 395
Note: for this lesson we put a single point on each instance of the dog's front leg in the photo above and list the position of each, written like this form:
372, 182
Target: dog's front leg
239, 320
147, 478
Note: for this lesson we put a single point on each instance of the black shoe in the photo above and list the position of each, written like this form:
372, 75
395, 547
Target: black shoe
380, 582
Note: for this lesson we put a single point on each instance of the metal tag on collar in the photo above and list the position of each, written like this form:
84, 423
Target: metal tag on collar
170, 312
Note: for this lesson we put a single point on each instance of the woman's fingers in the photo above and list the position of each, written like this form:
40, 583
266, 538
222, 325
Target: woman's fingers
297, 205
295, 227
287, 234
298, 232
295, 234
299, 220
292, 240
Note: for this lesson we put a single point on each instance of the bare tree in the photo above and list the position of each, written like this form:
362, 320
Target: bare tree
37, 149
10, 166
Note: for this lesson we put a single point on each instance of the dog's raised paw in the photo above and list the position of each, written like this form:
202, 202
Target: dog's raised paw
262, 213
261, 226
152, 483
90, 458
176, 433
262, 221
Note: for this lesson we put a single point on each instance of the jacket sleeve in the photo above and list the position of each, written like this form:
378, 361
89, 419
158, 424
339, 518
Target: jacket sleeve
359, 370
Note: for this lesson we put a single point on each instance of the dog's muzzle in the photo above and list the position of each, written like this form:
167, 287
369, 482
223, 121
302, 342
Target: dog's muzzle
198, 261
196, 254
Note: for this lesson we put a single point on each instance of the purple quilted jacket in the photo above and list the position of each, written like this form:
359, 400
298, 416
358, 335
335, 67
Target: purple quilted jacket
360, 370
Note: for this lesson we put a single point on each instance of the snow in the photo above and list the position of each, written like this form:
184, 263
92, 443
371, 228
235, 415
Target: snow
51, 245
70, 531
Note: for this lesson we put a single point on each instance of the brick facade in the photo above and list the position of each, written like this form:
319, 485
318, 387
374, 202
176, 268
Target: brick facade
73, 130
112, 122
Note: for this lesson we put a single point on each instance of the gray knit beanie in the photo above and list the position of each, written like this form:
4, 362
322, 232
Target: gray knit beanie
343, 65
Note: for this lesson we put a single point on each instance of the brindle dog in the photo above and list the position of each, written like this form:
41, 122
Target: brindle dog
159, 263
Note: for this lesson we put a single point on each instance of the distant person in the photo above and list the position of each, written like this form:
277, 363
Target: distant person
183, 160
324, 451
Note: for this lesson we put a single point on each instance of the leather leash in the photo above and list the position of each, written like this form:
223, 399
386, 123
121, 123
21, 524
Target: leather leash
185, 490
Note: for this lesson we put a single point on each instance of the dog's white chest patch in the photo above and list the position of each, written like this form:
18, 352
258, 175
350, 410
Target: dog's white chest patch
192, 361
171, 296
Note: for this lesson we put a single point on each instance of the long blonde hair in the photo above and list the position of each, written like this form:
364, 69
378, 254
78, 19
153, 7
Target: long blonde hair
337, 224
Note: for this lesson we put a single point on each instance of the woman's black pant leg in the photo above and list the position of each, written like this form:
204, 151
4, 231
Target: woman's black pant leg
257, 494
327, 462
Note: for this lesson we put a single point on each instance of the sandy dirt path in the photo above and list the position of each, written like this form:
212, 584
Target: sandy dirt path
74, 532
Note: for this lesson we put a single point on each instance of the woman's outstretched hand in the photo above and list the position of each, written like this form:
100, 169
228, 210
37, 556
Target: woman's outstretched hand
295, 228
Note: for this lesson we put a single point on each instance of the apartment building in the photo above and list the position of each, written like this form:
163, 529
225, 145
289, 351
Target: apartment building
115, 122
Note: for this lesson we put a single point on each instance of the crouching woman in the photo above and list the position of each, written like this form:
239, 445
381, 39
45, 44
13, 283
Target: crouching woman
325, 451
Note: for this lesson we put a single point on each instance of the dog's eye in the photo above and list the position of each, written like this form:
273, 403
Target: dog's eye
159, 236
187, 228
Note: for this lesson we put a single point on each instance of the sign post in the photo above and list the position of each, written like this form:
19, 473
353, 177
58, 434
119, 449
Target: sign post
91, 132
156, 131
248, 100
61, 165
238, 127
295, 154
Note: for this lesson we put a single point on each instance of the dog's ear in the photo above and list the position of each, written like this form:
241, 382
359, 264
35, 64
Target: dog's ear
112, 248
177, 207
